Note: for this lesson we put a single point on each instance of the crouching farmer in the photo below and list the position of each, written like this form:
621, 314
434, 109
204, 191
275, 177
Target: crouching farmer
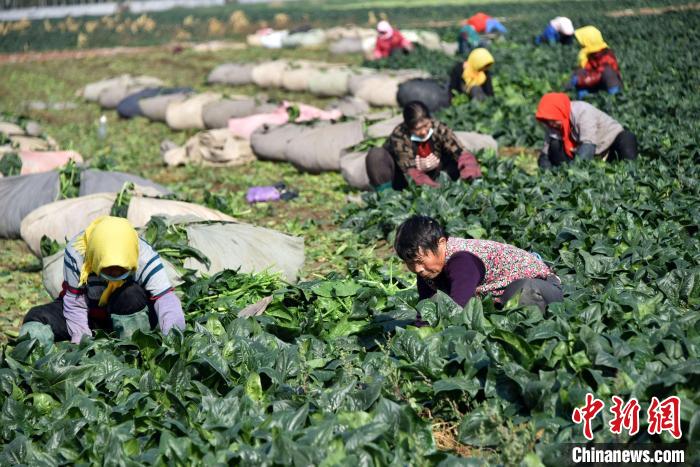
112, 280
577, 130
466, 268
419, 148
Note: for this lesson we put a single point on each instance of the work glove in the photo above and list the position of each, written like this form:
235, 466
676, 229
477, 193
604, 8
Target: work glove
126, 325
428, 163
39, 331
421, 178
468, 166
585, 152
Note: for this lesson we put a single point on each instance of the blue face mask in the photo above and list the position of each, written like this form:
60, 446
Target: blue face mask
109, 278
418, 139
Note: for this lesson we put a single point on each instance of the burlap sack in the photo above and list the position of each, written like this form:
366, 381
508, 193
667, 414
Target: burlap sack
216, 114
269, 74
477, 141
383, 128
379, 91
269, 142
347, 45
234, 74
296, 78
20, 195
330, 82
154, 108
351, 106
307, 39
66, 218
32, 143
92, 91
354, 170
318, 150
8, 129
188, 113
213, 148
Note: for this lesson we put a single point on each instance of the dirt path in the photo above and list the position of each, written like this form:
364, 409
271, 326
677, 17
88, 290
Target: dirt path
111, 51
653, 11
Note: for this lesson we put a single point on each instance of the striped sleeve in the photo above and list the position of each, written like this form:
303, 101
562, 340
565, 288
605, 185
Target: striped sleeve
72, 264
151, 273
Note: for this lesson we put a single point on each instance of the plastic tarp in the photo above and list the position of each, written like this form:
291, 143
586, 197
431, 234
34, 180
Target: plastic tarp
233, 245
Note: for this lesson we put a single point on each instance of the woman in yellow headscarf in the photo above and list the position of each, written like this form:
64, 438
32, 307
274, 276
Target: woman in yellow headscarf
597, 65
112, 280
473, 75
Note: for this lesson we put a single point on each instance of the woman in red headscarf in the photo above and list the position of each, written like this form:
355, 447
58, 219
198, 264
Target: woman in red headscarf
579, 130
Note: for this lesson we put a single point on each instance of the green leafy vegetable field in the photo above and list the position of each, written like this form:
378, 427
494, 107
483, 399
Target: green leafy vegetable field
334, 372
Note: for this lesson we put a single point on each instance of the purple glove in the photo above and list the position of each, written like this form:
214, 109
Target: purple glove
258, 194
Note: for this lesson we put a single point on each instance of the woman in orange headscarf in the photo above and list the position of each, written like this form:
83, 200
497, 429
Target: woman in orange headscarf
577, 130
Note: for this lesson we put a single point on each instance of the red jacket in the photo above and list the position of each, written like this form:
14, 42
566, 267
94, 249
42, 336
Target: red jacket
591, 75
383, 47
478, 22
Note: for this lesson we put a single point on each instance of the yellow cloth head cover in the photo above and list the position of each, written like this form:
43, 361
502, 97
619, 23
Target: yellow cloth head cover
473, 74
108, 241
591, 40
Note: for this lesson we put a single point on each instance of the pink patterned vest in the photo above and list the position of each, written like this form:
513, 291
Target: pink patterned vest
503, 263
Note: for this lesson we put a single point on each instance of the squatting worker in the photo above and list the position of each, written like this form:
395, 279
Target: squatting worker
473, 76
108, 273
419, 148
597, 65
466, 268
390, 41
558, 30
485, 24
577, 130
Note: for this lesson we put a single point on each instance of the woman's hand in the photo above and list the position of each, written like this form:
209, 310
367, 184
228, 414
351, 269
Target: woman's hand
428, 163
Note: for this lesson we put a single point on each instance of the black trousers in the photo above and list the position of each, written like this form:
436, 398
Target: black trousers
126, 300
624, 147
382, 168
538, 292
477, 92
610, 79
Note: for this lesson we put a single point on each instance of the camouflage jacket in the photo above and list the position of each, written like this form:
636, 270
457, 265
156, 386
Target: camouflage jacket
444, 143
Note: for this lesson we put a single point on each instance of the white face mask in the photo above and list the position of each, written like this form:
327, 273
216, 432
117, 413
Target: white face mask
418, 139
